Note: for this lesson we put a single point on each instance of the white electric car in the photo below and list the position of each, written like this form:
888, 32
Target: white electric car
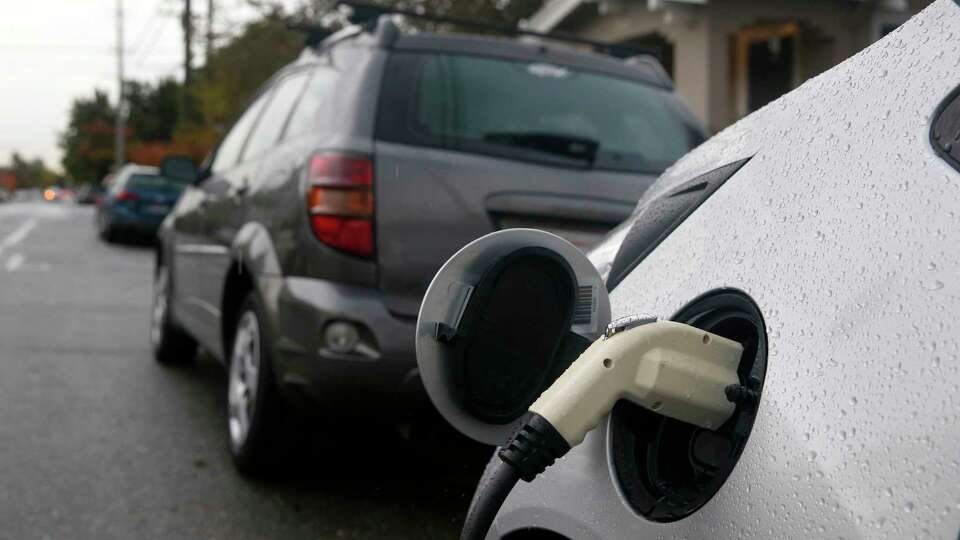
832, 251
822, 233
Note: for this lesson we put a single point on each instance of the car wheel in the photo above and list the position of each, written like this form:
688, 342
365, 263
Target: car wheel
107, 234
170, 344
252, 400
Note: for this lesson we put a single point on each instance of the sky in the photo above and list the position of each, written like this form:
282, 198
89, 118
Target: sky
52, 51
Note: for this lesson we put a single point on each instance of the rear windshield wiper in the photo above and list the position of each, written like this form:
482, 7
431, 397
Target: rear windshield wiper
570, 146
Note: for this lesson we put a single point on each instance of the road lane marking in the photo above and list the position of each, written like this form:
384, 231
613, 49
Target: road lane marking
18, 235
14, 262
18, 263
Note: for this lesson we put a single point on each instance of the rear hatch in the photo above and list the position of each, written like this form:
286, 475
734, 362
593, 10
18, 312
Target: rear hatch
468, 145
152, 196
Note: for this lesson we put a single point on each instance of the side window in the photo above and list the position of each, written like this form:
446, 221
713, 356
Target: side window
316, 95
229, 151
275, 116
945, 130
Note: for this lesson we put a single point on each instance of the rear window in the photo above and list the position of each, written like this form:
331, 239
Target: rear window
533, 111
152, 181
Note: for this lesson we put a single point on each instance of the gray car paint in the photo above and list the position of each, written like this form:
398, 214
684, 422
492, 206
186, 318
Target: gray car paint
264, 231
468, 194
844, 229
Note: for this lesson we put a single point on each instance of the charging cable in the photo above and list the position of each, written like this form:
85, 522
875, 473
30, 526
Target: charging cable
666, 367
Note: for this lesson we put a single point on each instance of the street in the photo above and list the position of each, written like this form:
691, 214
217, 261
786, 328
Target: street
99, 441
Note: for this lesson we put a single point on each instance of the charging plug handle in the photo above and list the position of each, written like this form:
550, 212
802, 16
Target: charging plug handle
667, 367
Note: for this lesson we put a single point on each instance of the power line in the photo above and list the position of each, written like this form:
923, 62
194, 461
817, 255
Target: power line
147, 27
144, 54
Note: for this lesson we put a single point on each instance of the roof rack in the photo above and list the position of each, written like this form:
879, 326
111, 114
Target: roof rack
314, 35
367, 15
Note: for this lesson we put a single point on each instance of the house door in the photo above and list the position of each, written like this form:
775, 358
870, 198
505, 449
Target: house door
766, 64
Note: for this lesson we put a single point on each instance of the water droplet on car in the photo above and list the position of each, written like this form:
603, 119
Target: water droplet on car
934, 285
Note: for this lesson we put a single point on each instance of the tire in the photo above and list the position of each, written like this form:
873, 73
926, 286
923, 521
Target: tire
170, 344
253, 402
105, 230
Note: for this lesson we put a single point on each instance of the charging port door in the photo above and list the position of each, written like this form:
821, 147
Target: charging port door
502, 319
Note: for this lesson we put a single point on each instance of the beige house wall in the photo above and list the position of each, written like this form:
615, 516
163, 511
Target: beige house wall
704, 37
830, 31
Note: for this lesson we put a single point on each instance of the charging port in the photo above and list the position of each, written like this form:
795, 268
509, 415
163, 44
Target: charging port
667, 469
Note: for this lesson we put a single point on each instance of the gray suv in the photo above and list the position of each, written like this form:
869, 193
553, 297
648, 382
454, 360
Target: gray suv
300, 255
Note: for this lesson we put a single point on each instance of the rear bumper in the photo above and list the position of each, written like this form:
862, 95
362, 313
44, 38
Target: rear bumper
135, 228
134, 223
382, 379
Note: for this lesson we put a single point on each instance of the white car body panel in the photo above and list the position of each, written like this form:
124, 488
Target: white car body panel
844, 228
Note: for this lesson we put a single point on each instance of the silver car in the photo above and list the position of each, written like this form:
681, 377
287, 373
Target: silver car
822, 234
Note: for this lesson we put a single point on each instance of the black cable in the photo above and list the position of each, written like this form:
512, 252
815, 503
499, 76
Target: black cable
496, 483
533, 447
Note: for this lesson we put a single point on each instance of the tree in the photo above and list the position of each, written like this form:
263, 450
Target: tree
505, 13
87, 143
230, 78
152, 109
152, 119
30, 173
236, 70
223, 87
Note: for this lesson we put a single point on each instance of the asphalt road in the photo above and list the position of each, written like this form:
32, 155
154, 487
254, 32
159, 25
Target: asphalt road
99, 441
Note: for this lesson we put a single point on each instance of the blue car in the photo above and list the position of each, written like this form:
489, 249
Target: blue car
136, 202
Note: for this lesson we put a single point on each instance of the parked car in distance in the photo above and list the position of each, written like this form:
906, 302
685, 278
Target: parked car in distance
4, 195
89, 194
138, 200
833, 260
300, 257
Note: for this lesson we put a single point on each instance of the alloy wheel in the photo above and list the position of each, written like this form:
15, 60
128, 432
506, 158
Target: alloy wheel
244, 370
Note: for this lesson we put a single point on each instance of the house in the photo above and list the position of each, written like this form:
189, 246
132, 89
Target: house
731, 57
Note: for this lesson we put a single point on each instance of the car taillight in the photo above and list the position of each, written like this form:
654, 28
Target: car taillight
340, 201
127, 196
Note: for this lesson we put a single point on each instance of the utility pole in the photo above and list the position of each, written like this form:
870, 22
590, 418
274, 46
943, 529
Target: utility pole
187, 21
210, 9
187, 42
120, 125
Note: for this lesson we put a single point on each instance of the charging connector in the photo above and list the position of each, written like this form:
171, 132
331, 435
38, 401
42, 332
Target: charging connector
669, 368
